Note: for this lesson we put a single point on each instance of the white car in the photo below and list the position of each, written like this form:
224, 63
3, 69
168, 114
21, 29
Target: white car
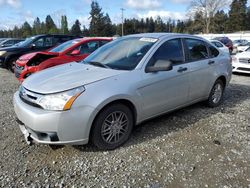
241, 62
220, 45
242, 48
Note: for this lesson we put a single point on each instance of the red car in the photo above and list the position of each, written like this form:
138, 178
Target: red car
70, 51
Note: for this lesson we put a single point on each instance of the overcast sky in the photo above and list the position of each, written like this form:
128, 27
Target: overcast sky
15, 12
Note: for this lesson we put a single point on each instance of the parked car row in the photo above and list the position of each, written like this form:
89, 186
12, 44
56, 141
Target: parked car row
7, 42
227, 42
119, 85
9, 55
71, 51
240, 61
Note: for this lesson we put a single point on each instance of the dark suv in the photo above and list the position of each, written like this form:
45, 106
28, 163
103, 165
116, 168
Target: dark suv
9, 55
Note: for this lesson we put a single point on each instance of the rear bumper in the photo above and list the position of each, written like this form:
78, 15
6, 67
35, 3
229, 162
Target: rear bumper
53, 127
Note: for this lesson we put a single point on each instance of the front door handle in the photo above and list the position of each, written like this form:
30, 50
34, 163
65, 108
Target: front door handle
211, 62
182, 69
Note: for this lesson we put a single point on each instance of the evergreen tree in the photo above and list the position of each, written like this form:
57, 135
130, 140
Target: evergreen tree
36, 27
219, 21
43, 28
151, 25
76, 28
50, 25
64, 25
159, 25
237, 16
108, 28
97, 22
26, 30
85, 32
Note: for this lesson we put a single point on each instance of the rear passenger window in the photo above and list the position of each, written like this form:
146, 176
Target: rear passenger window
219, 45
64, 39
101, 43
197, 49
48, 42
170, 51
213, 51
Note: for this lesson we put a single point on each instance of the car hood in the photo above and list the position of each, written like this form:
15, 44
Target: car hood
27, 56
31, 55
243, 55
65, 77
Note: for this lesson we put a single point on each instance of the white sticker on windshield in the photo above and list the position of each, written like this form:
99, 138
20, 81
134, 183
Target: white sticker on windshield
148, 39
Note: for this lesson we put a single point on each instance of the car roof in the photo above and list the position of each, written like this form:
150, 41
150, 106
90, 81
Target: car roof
213, 40
162, 35
42, 35
95, 38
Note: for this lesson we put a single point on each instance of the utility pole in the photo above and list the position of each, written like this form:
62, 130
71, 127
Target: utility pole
122, 9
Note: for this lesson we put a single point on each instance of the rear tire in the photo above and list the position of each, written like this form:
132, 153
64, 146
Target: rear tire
216, 94
112, 127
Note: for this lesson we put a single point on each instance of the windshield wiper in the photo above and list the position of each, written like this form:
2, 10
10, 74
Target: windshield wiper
95, 63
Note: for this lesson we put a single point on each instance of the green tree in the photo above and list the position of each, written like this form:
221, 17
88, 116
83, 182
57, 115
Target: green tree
237, 16
50, 25
76, 28
36, 27
108, 29
159, 25
64, 25
85, 31
97, 22
26, 30
219, 21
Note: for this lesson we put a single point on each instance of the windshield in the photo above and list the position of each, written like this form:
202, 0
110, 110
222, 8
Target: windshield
121, 54
62, 47
26, 42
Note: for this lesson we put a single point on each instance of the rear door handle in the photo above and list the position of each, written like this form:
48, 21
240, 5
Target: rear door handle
211, 62
182, 69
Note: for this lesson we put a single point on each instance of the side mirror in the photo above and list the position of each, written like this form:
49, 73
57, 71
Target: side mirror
160, 65
33, 45
75, 52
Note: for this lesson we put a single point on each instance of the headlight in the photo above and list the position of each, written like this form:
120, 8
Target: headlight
234, 59
59, 101
2, 53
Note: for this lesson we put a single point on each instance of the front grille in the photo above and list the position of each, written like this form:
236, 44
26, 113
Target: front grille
29, 102
19, 67
243, 69
244, 60
29, 97
18, 70
17, 74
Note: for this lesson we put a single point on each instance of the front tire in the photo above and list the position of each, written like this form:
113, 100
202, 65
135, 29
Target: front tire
216, 95
112, 127
11, 64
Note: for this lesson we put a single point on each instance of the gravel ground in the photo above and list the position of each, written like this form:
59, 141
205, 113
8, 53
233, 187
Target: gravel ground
193, 147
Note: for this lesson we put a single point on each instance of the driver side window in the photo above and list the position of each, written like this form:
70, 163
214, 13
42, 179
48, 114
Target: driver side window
169, 51
39, 42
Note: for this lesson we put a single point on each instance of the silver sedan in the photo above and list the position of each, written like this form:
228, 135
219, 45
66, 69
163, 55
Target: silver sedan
122, 84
